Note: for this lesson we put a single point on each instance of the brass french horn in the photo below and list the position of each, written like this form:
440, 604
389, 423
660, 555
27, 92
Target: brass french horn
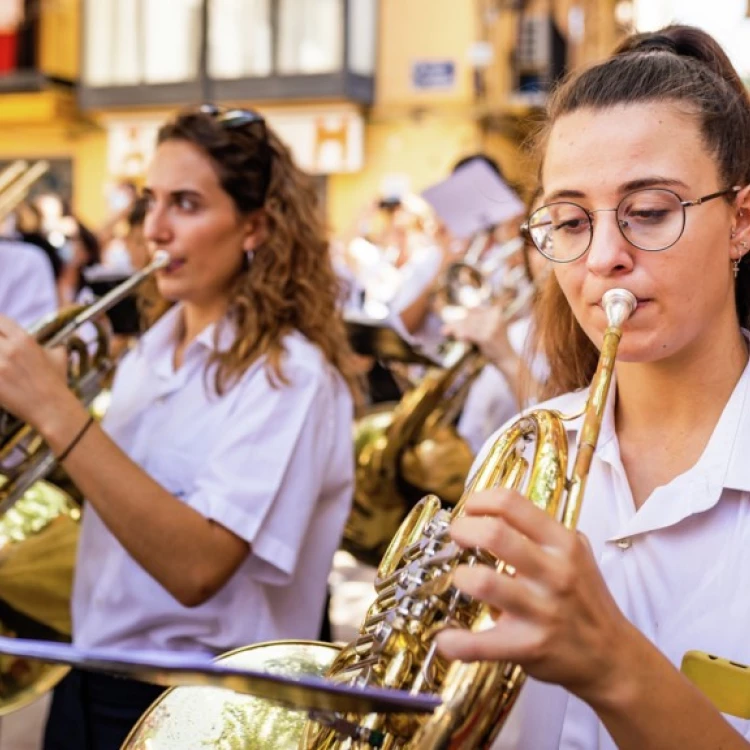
38, 520
415, 599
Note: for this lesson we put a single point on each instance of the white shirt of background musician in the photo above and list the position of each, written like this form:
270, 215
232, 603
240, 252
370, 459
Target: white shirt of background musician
272, 464
491, 401
27, 284
678, 567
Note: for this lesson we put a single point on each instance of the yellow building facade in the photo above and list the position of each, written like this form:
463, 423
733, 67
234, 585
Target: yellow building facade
446, 84
39, 115
414, 135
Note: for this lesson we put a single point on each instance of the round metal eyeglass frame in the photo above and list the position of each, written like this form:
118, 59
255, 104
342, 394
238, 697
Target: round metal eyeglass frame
527, 225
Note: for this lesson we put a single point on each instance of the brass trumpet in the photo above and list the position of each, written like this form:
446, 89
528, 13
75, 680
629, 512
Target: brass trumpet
24, 459
38, 520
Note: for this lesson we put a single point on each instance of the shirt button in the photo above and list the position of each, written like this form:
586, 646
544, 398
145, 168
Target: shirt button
625, 543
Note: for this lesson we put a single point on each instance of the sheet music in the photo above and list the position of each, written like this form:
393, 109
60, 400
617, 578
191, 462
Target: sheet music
473, 198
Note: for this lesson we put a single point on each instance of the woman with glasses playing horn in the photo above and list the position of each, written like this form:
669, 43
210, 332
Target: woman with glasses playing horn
644, 172
218, 487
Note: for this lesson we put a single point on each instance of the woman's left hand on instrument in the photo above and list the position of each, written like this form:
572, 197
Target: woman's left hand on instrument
558, 619
32, 379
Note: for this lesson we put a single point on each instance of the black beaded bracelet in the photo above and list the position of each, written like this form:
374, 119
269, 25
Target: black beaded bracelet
75, 440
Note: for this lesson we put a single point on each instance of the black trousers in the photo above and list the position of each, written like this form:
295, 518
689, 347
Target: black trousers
95, 712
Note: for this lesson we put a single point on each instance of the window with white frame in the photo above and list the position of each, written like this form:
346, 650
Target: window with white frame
141, 41
311, 36
239, 41
363, 23
134, 42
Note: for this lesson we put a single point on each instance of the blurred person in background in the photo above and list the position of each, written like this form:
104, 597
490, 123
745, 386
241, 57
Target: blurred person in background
414, 306
135, 242
79, 250
514, 377
29, 227
27, 285
112, 235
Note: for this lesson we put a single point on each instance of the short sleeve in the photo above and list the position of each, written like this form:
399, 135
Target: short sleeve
271, 459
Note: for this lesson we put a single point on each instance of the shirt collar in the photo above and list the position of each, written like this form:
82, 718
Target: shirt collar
737, 476
157, 344
700, 488
723, 464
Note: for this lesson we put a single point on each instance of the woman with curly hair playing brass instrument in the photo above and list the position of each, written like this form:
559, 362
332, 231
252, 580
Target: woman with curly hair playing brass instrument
223, 469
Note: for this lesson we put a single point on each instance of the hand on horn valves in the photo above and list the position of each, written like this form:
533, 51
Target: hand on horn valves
558, 619
33, 380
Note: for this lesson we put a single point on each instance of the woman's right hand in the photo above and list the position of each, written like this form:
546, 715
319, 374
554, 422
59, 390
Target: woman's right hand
33, 382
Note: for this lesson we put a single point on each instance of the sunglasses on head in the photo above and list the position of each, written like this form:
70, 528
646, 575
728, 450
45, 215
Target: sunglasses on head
255, 125
234, 118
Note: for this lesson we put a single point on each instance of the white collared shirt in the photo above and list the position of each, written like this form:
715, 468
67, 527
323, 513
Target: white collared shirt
678, 567
272, 464
27, 284
491, 401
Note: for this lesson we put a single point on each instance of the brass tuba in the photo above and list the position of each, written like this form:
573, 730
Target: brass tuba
38, 520
415, 598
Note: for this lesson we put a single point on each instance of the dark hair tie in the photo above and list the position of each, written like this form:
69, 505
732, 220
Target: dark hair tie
656, 43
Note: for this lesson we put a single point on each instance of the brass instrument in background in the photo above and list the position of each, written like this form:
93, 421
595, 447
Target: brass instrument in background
473, 282
408, 449
38, 520
415, 598
16, 180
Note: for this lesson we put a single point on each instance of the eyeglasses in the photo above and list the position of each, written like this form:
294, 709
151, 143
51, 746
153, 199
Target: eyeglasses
650, 219
236, 118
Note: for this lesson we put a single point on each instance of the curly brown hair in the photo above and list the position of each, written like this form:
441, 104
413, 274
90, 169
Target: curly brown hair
290, 283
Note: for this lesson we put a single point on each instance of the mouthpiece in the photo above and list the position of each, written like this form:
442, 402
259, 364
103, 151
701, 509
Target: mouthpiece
160, 260
619, 305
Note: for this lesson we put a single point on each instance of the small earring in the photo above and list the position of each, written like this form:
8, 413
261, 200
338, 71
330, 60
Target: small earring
736, 268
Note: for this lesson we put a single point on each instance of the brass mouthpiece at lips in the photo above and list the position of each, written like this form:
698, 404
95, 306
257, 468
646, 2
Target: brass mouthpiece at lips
619, 305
